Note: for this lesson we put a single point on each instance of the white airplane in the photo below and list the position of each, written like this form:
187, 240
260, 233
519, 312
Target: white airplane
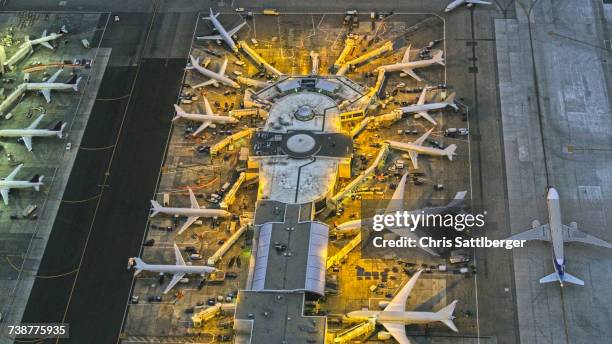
415, 148
224, 35
215, 78
27, 46
408, 67
420, 109
557, 233
207, 120
395, 317
9, 183
47, 86
26, 134
192, 214
396, 203
469, 3
179, 269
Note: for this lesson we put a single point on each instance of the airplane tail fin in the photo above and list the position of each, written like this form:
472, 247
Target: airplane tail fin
156, 208
38, 180
438, 57
450, 100
446, 316
138, 266
179, 112
63, 30
194, 62
59, 128
554, 277
450, 151
75, 87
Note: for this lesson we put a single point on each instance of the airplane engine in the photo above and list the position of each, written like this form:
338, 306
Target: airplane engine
383, 335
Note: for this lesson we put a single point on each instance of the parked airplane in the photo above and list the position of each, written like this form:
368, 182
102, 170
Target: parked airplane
9, 183
215, 78
396, 203
47, 86
415, 148
179, 269
420, 109
395, 317
192, 214
557, 233
27, 47
408, 67
224, 35
207, 120
26, 134
469, 3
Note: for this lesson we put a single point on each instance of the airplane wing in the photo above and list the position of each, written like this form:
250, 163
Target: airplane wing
412, 74
427, 116
397, 200
178, 256
189, 222
398, 303
12, 175
572, 234
414, 158
27, 140
193, 200
203, 126
537, 233
398, 331
36, 122
54, 77
5, 195
422, 139
234, 30
422, 97
223, 67
406, 57
46, 44
206, 83
209, 37
207, 107
46, 94
175, 279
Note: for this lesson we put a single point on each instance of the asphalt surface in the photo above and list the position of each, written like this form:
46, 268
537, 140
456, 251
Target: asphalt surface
93, 305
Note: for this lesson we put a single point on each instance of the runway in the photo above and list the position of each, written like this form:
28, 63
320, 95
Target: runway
92, 299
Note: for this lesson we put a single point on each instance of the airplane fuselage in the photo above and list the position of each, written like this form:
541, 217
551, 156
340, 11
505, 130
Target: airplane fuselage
424, 107
202, 212
408, 65
224, 35
397, 317
173, 269
408, 146
18, 184
37, 86
216, 76
207, 118
27, 132
556, 231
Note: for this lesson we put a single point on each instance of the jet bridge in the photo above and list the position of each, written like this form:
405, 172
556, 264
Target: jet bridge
355, 331
380, 158
255, 56
337, 258
388, 46
12, 97
364, 123
230, 195
350, 43
214, 149
226, 245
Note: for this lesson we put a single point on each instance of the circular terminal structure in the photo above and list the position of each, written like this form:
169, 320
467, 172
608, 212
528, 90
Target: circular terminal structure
300, 144
304, 113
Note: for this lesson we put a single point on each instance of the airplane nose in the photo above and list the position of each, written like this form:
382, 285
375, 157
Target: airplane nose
552, 194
